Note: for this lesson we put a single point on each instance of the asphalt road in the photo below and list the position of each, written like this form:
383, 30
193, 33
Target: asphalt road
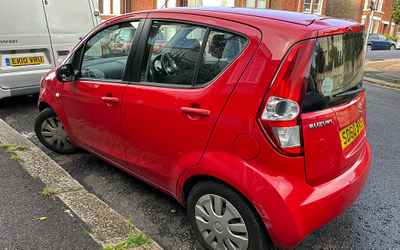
374, 55
373, 222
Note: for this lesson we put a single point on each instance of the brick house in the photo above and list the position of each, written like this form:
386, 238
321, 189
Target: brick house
348, 9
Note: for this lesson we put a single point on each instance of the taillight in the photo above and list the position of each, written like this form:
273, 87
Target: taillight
280, 112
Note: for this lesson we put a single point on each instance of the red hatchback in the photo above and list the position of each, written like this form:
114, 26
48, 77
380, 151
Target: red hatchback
253, 119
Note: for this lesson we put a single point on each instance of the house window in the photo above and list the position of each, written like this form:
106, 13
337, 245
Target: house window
380, 5
256, 3
166, 4
366, 4
211, 3
377, 4
110, 7
313, 6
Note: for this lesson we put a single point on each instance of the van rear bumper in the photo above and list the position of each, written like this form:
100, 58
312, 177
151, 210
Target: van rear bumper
28, 90
317, 205
21, 83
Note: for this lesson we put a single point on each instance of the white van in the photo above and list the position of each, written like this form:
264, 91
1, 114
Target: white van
36, 35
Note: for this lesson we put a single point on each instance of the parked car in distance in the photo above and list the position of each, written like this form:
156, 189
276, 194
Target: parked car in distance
380, 42
36, 36
255, 120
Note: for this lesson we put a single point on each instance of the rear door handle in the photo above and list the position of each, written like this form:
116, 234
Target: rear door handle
110, 100
195, 111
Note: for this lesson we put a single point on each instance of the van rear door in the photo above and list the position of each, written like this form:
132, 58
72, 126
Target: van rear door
333, 109
25, 51
68, 21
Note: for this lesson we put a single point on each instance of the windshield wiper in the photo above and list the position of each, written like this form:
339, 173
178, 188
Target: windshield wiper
349, 92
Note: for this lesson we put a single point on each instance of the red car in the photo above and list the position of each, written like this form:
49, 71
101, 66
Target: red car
253, 119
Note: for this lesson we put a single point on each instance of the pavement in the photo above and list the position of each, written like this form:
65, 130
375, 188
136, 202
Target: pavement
386, 72
28, 220
104, 225
373, 222
383, 68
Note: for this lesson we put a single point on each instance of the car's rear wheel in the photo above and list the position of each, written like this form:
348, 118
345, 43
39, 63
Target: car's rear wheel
51, 133
223, 219
392, 47
369, 47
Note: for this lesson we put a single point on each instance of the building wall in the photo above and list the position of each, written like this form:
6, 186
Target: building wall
346, 9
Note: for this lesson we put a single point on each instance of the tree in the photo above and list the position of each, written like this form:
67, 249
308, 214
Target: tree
396, 11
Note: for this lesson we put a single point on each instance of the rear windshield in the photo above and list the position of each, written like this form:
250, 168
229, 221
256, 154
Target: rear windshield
337, 67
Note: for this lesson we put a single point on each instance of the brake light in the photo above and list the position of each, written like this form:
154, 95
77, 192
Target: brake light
280, 112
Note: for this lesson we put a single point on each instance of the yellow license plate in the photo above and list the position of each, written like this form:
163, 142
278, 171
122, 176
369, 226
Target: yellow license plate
351, 132
26, 60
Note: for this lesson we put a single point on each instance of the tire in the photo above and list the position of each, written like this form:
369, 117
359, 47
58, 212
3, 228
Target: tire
392, 47
248, 226
369, 47
50, 132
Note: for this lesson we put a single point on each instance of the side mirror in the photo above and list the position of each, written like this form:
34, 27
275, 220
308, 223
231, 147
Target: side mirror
65, 73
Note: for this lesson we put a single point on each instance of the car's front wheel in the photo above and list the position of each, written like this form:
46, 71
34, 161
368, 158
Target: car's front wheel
51, 133
223, 219
392, 47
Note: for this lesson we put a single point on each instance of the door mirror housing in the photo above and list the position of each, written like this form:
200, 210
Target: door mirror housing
65, 73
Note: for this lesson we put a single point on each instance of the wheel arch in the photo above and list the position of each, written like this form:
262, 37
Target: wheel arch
43, 105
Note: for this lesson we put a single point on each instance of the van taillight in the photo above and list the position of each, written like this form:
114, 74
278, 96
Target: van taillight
280, 111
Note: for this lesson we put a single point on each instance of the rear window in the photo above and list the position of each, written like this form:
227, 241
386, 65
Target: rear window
337, 67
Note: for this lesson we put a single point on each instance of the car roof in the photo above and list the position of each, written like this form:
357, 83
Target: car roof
280, 15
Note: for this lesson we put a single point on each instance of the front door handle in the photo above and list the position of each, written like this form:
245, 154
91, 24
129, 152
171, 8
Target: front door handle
110, 99
195, 111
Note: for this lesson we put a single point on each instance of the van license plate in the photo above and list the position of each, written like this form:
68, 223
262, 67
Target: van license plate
351, 132
25, 60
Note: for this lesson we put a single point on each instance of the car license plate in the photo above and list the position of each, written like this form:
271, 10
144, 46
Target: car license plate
24, 60
351, 132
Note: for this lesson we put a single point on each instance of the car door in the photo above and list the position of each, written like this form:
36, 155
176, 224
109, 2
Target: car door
92, 103
188, 71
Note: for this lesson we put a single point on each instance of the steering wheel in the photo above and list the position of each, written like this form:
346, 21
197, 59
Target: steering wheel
164, 63
93, 73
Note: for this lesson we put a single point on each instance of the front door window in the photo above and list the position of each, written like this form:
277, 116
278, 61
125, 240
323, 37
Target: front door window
107, 52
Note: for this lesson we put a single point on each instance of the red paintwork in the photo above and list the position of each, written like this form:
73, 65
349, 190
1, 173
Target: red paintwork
167, 136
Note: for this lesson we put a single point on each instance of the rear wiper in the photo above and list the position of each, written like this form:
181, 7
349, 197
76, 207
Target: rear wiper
349, 92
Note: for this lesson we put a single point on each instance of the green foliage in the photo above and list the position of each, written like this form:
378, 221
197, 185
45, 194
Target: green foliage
134, 240
396, 11
392, 37
13, 150
49, 191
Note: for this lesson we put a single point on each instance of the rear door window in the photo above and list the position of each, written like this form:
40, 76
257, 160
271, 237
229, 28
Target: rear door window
188, 55
172, 52
221, 49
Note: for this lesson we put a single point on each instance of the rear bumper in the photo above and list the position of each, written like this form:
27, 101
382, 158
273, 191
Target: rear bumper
21, 83
317, 205
27, 90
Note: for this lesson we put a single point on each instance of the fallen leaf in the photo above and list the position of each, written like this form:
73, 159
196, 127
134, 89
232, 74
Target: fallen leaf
42, 218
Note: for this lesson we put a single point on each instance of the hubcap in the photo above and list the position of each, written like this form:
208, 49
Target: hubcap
220, 223
53, 133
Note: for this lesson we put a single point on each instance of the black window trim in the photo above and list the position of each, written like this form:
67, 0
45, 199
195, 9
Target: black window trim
135, 76
131, 54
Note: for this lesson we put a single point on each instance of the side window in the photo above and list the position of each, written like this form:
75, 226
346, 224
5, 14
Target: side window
106, 53
172, 52
221, 49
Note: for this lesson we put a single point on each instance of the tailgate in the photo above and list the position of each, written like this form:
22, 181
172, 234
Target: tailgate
333, 116
334, 139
